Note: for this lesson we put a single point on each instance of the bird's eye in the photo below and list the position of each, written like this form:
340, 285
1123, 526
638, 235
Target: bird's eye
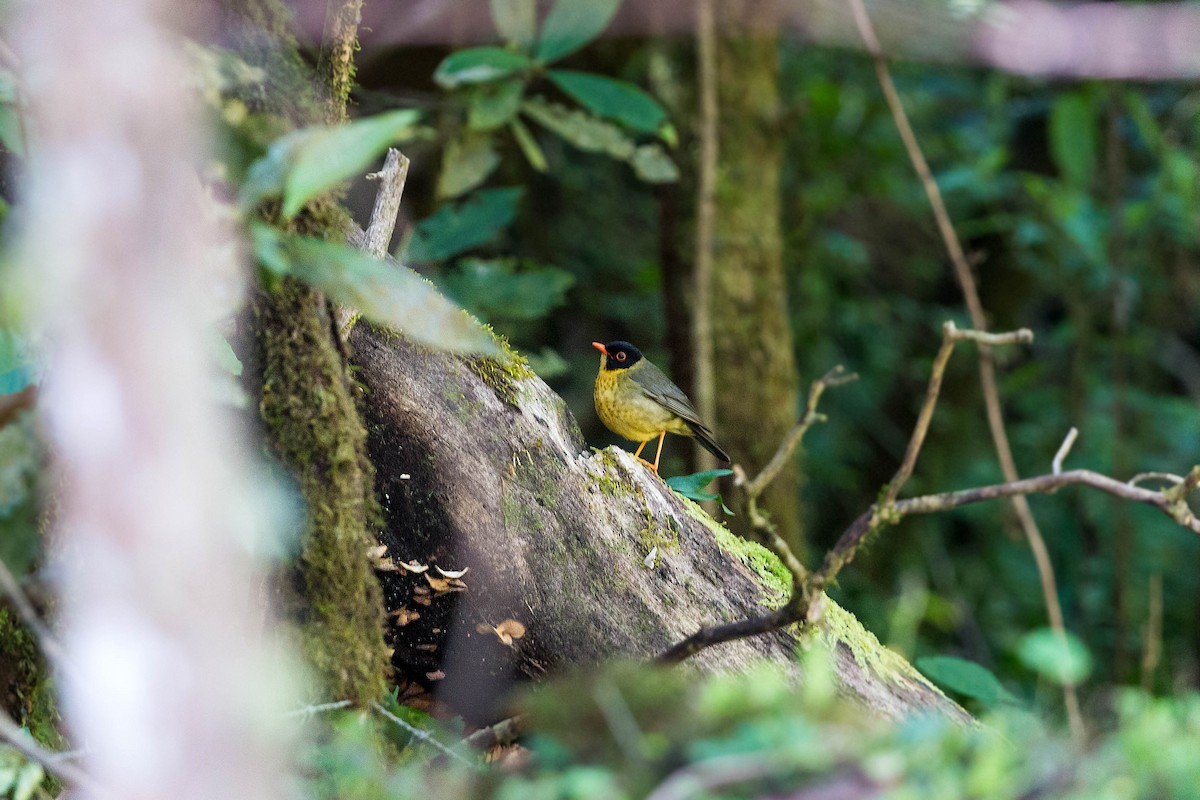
620, 356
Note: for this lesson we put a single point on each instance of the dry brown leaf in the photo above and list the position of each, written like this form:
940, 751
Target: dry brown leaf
404, 616
435, 676
413, 566
510, 627
377, 551
428, 648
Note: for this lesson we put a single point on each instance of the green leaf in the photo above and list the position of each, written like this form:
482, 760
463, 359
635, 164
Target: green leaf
571, 24
497, 289
529, 146
580, 129
456, 229
467, 162
1073, 138
479, 65
306, 162
964, 677
491, 105
21, 464
598, 136
691, 486
1062, 660
652, 165
327, 156
389, 294
615, 99
515, 20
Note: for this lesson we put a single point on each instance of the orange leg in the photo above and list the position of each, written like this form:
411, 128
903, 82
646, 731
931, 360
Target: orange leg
638, 454
658, 455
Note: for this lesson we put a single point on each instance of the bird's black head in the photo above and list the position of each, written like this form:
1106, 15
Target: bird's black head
620, 355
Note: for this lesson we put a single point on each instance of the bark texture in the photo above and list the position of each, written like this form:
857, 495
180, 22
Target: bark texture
755, 379
480, 465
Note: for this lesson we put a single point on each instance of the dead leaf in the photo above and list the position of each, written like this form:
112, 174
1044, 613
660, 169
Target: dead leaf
442, 586
428, 648
510, 627
413, 566
435, 676
404, 616
452, 573
377, 551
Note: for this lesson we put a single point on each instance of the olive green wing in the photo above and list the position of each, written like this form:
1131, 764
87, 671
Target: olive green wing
659, 388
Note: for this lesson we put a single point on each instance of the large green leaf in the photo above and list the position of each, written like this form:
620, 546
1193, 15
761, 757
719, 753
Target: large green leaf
307, 162
456, 229
515, 20
478, 65
1073, 138
496, 288
965, 677
328, 156
571, 24
467, 162
615, 99
389, 294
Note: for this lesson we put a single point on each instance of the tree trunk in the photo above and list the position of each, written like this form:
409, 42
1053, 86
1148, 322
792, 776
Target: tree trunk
754, 371
480, 466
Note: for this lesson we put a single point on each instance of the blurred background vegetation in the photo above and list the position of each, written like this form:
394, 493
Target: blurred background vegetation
1077, 202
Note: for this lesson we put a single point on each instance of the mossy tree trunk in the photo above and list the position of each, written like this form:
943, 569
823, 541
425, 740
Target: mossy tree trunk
754, 375
311, 420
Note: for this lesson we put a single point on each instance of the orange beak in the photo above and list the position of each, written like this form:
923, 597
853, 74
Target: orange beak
600, 347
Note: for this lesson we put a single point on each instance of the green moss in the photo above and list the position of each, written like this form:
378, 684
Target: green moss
839, 626
502, 374
29, 689
774, 577
314, 427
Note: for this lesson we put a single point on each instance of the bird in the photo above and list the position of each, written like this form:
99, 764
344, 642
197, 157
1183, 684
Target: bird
636, 400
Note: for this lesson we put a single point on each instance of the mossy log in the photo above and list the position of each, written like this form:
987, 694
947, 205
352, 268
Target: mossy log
480, 465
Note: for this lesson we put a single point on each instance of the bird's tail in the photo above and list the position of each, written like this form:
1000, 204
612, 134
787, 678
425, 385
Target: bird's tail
704, 435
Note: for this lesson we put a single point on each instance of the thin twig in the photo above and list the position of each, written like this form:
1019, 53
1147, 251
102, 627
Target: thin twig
52, 762
706, 213
423, 735
320, 708
1152, 634
1063, 450
1166, 477
835, 377
504, 732
987, 368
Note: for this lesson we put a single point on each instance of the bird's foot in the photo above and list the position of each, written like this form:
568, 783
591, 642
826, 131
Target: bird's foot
653, 468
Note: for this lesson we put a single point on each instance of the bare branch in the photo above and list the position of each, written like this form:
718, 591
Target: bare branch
1063, 450
387, 202
835, 377
987, 367
950, 335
